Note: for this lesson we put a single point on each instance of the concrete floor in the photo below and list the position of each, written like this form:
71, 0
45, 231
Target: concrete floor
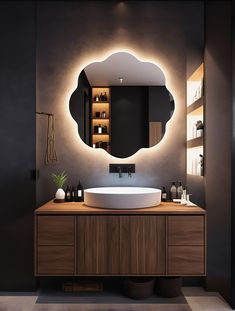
196, 297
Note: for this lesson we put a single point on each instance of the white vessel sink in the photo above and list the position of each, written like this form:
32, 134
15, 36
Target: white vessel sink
122, 197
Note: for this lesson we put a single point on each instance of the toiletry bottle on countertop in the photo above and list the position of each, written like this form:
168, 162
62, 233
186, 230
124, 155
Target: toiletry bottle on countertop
173, 191
179, 190
68, 194
79, 192
75, 194
164, 194
184, 194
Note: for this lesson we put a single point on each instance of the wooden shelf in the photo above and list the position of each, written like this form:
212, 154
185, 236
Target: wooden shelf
194, 106
195, 142
98, 134
100, 119
100, 102
197, 74
198, 177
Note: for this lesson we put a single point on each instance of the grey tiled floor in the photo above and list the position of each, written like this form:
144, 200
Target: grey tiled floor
196, 297
200, 300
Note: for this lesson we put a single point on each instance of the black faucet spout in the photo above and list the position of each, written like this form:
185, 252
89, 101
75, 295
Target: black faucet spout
129, 171
119, 171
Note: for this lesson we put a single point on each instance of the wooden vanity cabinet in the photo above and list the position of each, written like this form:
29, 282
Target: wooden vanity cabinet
112, 245
77, 240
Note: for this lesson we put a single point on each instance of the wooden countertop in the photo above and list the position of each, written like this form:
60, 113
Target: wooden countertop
80, 208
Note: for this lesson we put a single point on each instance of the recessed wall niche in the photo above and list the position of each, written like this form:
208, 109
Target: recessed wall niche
121, 104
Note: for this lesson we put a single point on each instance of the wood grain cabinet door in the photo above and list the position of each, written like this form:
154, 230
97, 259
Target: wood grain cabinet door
186, 245
98, 244
142, 244
55, 230
186, 230
55, 260
55, 240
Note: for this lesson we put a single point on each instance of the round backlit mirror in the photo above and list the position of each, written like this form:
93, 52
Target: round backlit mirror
121, 105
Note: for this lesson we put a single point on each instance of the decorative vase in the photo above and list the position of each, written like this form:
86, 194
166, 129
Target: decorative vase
59, 196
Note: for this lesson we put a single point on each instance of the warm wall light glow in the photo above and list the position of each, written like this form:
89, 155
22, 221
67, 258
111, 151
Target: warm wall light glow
195, 86
192, 119
193, 160
71, 85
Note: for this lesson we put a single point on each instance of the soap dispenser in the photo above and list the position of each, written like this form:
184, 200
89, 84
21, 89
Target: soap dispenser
173, 191
75, 194
179, 190
164, 194
79, 192
68, 194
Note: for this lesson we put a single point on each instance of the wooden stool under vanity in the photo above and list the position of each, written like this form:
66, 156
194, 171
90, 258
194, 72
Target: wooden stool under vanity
72, 239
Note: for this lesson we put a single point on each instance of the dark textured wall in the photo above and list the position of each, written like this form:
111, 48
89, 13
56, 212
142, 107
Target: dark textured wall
132, 108
159, 105
17, 132
129, 120
218, 134
196, 186
233, 164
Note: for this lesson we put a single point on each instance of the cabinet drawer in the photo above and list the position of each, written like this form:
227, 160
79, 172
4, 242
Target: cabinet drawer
185, 260
186, 230
55, 260
55, 230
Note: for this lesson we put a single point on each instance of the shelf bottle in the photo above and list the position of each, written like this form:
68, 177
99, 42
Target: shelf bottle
173, 191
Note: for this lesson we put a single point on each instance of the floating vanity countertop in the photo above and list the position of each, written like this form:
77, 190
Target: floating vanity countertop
81, 208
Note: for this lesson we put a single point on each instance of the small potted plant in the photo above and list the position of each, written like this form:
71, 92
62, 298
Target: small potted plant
200, 128
59, 180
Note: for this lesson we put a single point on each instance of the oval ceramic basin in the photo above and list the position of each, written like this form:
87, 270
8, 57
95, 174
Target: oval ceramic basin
122, 197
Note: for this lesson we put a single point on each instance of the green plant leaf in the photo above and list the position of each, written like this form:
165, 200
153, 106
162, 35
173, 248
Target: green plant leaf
59, 179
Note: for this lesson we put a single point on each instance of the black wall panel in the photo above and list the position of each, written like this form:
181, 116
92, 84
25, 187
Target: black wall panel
17, 134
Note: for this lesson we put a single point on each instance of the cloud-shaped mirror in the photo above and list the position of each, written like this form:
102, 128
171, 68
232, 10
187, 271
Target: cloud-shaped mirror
121, 105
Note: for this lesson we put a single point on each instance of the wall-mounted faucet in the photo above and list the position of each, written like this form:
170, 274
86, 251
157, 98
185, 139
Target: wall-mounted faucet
122, 168
119, 171
129, 171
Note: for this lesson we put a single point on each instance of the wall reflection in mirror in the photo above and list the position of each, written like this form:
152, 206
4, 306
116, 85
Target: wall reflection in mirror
121, 105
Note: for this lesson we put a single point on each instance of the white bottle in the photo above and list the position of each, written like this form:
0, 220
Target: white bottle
184, 196
100, 129
179, 190
173, 191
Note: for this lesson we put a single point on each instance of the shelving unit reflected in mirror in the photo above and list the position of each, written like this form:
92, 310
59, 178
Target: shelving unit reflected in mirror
100, 118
